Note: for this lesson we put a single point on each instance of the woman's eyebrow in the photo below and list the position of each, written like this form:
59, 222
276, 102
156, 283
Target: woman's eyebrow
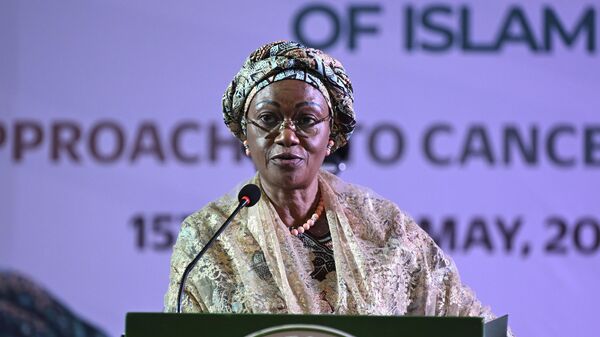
268, 101
307, 103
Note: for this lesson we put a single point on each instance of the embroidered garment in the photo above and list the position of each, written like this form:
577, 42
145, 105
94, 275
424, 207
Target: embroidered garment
385, 264
322, 250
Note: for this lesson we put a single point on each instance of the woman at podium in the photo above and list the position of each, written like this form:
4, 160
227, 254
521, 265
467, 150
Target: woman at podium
313, 243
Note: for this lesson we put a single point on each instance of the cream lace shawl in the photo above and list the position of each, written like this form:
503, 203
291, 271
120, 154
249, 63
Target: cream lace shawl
385, 263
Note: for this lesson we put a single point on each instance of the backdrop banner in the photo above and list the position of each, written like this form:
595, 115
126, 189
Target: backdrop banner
480, 119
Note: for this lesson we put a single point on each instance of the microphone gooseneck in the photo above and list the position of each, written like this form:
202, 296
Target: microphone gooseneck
248, 196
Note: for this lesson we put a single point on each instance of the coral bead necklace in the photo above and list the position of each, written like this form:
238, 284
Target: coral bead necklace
295, 230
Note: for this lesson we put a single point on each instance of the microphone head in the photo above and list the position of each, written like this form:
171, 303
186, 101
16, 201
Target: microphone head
249, 193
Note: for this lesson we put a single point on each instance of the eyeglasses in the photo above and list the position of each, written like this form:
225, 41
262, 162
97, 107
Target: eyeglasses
305, 126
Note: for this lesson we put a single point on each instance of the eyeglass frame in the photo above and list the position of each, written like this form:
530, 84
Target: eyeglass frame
282, 125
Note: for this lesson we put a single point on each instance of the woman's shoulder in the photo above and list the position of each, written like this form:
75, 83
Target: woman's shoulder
377, 216
204, 221
363, 199
215, 210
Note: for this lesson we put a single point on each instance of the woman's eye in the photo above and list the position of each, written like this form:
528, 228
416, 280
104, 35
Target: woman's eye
305, 121
267, 119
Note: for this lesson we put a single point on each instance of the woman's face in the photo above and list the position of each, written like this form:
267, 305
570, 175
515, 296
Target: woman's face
285, 158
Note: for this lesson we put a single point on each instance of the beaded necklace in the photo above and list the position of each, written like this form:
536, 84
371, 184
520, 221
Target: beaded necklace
295, 230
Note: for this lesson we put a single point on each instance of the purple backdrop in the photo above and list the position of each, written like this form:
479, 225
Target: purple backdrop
480, 120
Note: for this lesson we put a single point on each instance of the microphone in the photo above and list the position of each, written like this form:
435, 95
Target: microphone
248, 196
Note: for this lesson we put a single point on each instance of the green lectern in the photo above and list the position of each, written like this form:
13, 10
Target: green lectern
261, 325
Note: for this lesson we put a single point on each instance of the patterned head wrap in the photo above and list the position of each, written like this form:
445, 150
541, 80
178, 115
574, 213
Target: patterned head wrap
282, 60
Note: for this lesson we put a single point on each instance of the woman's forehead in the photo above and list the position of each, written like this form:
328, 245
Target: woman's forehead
289, 93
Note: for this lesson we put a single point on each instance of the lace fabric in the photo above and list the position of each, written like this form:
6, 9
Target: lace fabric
385, 264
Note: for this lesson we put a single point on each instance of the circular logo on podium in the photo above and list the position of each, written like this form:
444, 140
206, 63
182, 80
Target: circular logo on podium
299, 330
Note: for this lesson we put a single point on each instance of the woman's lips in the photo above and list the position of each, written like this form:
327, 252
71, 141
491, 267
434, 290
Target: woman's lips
287, 160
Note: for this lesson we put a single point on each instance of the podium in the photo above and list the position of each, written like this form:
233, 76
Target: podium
270, 325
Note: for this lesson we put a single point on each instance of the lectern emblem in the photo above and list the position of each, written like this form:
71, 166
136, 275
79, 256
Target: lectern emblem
299, 330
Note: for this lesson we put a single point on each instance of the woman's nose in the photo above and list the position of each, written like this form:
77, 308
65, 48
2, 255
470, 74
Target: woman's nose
287, 137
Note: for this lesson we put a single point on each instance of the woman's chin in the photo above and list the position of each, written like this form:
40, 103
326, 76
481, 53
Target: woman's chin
288, 179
